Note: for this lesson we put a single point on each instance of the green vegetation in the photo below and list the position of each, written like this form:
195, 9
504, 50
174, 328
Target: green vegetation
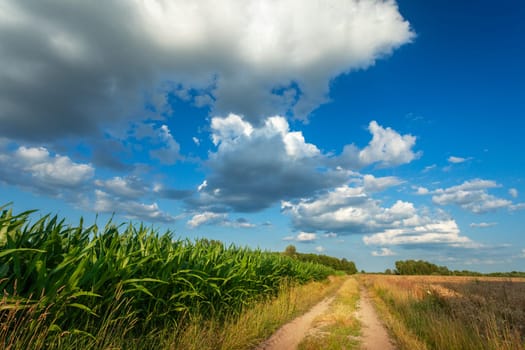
421, 267
126, 286
330, 261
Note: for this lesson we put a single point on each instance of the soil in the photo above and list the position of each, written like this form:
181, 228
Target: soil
290, 335
374, 335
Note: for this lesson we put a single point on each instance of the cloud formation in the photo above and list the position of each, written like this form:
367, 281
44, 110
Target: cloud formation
253, 58
473, 196
386, 149
36, 169
255, 167
350, 210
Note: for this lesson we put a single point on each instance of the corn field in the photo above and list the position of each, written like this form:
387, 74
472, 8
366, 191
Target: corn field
66, 286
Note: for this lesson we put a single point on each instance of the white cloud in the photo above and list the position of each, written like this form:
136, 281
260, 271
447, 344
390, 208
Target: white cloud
513, 193
457, 160
196, 140
128, 187
349, 210
106, 203
472, 196
378, 184
427, 232
233, 55
383, 252
256, 166
422, 191
35, 168
220, 219
306, 237
205, 218
386, 149
482, 224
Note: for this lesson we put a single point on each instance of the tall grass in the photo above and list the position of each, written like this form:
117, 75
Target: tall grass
452, 313
77, 286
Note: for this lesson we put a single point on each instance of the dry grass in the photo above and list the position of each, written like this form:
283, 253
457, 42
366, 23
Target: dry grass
257, 323
449, 312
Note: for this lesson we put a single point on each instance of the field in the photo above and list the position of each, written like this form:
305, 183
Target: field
126, 286
449, 312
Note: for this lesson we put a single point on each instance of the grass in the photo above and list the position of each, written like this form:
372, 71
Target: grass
127, 286
438, 312
338, 328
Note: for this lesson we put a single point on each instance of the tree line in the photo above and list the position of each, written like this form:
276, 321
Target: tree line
421, 267
330, 261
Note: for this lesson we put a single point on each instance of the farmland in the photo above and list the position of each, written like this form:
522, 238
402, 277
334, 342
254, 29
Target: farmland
451, 312
127, 286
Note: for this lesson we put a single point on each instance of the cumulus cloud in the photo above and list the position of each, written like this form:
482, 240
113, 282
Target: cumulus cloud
255, 167
129, 187
221, 219
482, 224
386, 149
378, 184
320, 249
36, 169
383, 252
302, 237
205, 218
513, 193
107, 203
427, 232
457, 160
473, 196
252, 57
350, 210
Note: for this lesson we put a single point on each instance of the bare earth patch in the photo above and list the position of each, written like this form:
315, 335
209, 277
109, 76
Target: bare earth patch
290, 335
374, 334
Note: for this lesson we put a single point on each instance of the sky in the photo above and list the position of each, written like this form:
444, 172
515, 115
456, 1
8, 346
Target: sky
369, 130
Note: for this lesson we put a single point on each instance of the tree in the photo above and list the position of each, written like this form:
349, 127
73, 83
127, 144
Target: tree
290, 250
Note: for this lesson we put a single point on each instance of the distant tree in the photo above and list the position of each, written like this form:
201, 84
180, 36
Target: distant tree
388, 272
290, 250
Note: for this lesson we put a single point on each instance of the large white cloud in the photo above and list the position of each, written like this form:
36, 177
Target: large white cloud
473, 196
254, 57
386, 149
255, 167
36, 169
351, 210
107, 203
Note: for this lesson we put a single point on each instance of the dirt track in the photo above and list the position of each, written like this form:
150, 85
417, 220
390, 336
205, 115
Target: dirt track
374, 335
290, 335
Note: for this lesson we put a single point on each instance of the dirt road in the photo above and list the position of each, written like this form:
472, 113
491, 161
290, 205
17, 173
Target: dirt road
374, 335
290, 335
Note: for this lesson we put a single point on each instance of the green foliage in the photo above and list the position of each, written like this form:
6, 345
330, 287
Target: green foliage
329, 261
421, 267
82, 279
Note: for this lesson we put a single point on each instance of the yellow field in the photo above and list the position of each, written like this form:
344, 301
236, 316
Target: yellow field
451, 312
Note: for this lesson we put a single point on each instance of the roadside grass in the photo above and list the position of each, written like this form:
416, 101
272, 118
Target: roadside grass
257, 323
441, 312
129, 287
338, 328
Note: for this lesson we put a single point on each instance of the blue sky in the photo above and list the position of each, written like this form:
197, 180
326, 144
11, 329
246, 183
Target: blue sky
371, 130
